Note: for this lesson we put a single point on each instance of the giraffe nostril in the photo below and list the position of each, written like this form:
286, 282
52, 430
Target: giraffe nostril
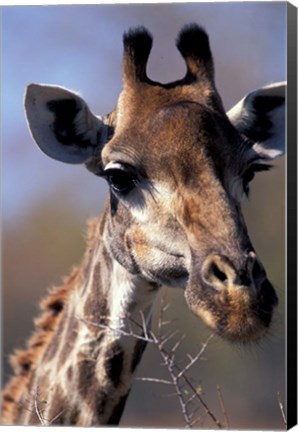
218, 271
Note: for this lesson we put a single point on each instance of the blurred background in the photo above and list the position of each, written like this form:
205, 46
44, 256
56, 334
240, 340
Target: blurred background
45, 203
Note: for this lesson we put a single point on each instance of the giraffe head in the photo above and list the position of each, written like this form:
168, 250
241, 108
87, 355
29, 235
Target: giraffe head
177, 166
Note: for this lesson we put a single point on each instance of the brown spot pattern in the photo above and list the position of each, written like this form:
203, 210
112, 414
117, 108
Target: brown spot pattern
100, 401
58, 406
86, 377
69, 339
114, 363
137, 354
117, 412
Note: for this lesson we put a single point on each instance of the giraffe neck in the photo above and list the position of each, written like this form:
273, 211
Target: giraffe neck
87, 369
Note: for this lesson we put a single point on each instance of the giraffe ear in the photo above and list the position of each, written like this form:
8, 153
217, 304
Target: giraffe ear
62, 124
260, 116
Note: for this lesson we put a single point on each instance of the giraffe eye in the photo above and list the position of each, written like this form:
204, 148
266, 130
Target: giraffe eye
121, 180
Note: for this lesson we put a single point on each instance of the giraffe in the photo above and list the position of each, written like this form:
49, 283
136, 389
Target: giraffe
178, 167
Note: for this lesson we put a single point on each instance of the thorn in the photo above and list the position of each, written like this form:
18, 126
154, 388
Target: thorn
178, 343
167, 338
157, 380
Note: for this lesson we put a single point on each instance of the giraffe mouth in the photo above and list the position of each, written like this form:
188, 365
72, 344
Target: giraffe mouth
174, 274
237, 314
160, 264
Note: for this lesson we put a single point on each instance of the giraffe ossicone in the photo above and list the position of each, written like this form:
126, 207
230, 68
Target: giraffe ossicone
177, 167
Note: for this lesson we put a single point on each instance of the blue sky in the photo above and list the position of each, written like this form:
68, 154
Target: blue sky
80, 47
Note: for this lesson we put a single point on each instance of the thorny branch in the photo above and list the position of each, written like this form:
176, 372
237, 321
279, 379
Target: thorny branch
183, 385
177, 377
185, 390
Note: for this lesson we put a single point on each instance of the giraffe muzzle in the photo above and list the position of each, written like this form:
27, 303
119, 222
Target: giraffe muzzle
237, 302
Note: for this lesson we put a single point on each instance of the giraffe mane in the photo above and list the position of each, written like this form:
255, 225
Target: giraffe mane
25, 361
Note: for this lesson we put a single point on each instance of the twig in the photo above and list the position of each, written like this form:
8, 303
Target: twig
201, 400
144, 325
190, 399
177, 344
157, 380
55, 418
164, 308
168, 395
223, 409
38, 411
195, 422
166, 338
119, 331
281, 409
196, 358
169, 364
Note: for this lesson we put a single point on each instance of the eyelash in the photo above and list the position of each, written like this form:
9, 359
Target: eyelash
250, 173
122, 179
